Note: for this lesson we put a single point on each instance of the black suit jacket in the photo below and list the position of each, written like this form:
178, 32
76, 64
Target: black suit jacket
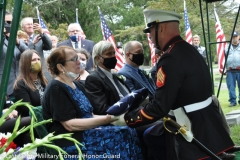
101, 92
86, 44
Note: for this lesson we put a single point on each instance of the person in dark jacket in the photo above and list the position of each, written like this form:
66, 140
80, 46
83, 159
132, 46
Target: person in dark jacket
184, 89
31, 81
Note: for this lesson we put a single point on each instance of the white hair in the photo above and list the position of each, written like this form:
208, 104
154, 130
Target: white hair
25, 19
99, 48
196, 36
73, 25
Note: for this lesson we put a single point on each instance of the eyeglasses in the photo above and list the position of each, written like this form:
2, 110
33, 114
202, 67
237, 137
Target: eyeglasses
74, 31
75, 59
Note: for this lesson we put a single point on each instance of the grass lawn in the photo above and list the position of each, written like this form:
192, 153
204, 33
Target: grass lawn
223, 98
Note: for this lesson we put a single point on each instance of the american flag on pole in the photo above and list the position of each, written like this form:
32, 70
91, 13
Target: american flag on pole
220, 38
187, 26
82, 34
151, 46
44, 27
108, 36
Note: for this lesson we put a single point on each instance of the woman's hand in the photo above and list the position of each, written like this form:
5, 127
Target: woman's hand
119, 120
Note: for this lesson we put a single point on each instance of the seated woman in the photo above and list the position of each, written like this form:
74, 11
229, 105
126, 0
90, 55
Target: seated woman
31, 82
65, 101
84, 57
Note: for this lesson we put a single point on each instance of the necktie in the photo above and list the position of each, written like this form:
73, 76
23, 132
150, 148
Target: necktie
145, 80
119, 85
76, 45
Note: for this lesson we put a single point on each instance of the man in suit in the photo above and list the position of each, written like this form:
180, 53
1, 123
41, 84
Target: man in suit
136, 78
75, 41
38, 42
101, 85
104, 88
19, 48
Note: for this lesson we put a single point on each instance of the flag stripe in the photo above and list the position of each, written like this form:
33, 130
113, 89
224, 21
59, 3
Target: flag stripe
187, 26
108, 36
151, 46
44, 27
220, 38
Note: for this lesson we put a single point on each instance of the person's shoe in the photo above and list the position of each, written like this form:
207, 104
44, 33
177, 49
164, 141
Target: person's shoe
227, 156
231, 105
234, 149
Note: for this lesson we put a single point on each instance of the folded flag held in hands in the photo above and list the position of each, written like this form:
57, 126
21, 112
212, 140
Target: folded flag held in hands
128, 102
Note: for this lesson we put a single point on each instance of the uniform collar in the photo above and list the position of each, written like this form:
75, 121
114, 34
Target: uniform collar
171, 42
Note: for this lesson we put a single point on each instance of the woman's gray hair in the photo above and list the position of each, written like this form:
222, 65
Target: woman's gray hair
83, 51
99, 48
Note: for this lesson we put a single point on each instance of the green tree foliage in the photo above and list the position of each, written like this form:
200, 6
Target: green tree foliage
125, 17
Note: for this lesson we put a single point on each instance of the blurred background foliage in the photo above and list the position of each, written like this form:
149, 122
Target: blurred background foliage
125, 17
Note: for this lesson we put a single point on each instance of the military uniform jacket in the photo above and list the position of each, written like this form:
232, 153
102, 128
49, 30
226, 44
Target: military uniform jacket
183, 78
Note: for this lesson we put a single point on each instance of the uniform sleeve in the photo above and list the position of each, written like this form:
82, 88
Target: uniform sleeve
164, 97
96, 95
61, 104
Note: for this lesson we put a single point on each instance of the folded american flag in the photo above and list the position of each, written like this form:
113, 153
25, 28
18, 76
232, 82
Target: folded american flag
128, 102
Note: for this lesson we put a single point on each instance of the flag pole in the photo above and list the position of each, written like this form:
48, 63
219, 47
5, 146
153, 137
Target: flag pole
76, 15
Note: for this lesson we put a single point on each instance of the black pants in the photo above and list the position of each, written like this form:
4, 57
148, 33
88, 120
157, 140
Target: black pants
23, 138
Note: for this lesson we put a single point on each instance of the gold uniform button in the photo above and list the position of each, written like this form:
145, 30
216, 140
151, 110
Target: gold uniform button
131, 119
127, 121
138, 117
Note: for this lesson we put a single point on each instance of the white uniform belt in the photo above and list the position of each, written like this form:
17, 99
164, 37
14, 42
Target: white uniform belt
195, 106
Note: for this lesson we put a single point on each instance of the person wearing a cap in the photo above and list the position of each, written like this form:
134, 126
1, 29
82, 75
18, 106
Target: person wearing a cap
119, 46
233, 69
196, 44
184, 90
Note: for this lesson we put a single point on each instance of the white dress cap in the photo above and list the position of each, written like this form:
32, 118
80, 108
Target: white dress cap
161, 16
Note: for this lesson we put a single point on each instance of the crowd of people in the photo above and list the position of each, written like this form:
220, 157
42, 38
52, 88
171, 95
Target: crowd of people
75, 84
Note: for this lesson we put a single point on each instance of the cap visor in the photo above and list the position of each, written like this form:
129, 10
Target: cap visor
146, 30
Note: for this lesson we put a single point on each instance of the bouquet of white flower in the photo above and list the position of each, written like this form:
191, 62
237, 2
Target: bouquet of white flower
9, 150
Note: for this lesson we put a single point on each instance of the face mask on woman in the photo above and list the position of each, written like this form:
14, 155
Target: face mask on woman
83, 64
36, 67
71, 75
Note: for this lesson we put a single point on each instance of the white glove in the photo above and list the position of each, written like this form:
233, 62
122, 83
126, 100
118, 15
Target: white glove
119, 120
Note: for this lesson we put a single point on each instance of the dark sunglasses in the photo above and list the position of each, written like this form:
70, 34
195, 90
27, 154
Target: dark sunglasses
9, 22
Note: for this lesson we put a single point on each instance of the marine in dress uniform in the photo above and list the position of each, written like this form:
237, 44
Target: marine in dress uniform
183, 82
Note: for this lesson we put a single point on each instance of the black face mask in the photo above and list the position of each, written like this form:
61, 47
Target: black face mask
137, 59
109, 63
